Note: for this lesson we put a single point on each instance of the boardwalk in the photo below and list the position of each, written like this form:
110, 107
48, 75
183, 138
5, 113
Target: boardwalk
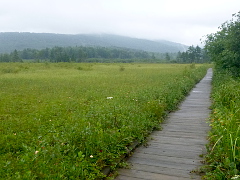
174, 152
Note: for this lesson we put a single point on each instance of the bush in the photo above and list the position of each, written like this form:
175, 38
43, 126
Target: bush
223, 47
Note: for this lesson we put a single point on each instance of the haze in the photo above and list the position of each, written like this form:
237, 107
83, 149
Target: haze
185, 21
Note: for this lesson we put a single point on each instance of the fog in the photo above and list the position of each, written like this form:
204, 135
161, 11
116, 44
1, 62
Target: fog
185, 21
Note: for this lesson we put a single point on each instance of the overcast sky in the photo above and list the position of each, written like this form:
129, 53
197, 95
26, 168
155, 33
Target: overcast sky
182, 21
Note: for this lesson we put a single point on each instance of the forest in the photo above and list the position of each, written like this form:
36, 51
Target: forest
103, 54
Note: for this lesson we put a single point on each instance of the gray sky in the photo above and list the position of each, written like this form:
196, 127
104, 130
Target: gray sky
183, 21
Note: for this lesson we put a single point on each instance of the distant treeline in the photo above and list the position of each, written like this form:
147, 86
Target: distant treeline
101, 54
74, 54
193, 55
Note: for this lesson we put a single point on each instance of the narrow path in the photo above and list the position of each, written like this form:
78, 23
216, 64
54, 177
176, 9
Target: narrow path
175, 151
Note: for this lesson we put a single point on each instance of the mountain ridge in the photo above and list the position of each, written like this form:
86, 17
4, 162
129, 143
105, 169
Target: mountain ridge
9, 41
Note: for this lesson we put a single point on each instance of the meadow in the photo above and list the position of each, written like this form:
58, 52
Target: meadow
71, 120
223, 158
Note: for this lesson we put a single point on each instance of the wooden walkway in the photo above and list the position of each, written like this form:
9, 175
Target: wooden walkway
174, 152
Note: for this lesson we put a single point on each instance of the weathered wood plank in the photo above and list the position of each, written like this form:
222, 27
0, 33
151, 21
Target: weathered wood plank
176, 139
122, 177
187, 142
171, 159
173, 133
169, 152
174, 152
161, 163
129, 173
179, 147
164, 170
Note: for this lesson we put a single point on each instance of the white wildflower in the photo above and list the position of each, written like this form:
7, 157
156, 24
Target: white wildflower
109, 97
236, 177
36, 152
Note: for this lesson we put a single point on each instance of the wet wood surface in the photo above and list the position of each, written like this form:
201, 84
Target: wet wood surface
174, 152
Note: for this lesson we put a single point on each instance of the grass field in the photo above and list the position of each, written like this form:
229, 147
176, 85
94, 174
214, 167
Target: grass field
224, 149
69, 121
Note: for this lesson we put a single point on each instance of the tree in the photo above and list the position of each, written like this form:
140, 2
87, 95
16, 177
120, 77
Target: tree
15, 57
223, 47
191, 54
198, 54
153, 56
79, 54
167, 57
5, 58
179, 57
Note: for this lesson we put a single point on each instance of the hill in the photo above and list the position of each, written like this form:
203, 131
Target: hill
10, 41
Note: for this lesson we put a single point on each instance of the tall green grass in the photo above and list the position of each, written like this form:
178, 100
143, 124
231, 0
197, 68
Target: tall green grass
224, 147
69, 121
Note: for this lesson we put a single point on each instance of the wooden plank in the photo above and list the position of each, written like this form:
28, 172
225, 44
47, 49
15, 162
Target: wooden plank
185, 127
123, 177
170, 140
163, 170
176, 139
170, 152
147, 175
179, 147
171, 133
172, 159
187, 131
168, 163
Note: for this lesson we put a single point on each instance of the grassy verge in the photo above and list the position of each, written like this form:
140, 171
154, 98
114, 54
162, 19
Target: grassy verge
224, 149
69, 121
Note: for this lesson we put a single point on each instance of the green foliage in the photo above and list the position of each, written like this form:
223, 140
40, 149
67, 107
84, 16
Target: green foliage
224, 149
12, 57
63, 121
77, 54
192, 55
167, 57
15, 56
99, 55
122, 68
223, 47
